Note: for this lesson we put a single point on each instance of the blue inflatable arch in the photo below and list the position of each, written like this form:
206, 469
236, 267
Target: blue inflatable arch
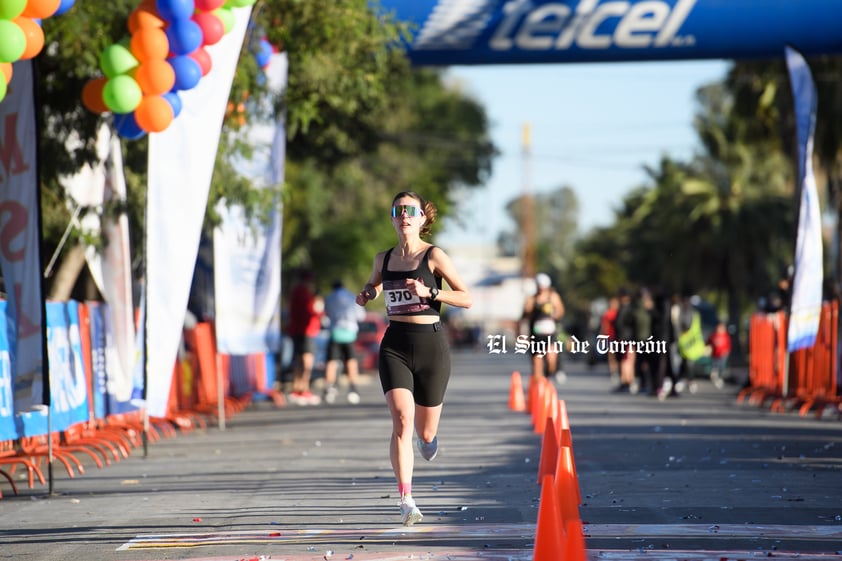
467, 32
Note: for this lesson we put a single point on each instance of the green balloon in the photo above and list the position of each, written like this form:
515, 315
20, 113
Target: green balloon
12, 41
117, 59
226, 16
3, 89
10, 9
121, 94
239, 3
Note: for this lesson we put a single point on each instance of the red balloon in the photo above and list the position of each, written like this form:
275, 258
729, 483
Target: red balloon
201, 56
209, 5
212, 27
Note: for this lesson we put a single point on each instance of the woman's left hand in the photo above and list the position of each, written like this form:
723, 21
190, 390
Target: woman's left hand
418, 287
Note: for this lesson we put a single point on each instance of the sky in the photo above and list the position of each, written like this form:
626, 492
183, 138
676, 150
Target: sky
593, 128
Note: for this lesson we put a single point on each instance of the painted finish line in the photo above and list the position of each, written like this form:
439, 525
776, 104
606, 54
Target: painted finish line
430, 533
511, 532
526, 555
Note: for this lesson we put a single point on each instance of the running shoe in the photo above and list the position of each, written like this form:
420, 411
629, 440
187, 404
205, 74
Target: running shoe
305, 398
353, 396
429, 449
330, 394
409, 512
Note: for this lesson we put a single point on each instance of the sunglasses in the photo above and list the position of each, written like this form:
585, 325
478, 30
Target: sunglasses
411, 211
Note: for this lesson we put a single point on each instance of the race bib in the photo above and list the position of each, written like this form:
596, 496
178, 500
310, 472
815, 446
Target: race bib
544, 326
399, 300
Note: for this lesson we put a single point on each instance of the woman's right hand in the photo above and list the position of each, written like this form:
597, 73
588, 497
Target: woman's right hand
367, 294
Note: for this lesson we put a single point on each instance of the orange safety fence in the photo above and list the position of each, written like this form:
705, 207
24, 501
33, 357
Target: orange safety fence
193, 400
807, 379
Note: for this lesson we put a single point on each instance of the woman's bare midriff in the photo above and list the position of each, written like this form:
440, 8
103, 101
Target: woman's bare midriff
415, 319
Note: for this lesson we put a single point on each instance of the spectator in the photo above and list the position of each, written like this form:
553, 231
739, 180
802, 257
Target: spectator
719, 343
344, 315
305, 313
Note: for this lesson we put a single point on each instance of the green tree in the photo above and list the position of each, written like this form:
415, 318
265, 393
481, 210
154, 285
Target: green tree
554, 215
361, 125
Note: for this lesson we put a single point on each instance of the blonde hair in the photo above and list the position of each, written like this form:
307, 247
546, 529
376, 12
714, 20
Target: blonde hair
428, 208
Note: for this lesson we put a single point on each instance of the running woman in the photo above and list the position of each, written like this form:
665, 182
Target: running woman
414, 354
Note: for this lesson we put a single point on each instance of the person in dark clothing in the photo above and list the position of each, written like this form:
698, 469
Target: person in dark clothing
624, 328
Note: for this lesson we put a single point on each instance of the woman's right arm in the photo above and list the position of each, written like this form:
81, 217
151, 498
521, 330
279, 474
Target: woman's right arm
375, 282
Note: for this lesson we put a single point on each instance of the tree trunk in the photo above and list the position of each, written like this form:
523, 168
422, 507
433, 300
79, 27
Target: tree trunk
67, 274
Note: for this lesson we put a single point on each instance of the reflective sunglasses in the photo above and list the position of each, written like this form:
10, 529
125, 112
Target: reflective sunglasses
411, 211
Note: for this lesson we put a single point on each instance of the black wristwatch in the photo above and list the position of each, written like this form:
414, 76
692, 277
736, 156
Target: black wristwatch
434, 293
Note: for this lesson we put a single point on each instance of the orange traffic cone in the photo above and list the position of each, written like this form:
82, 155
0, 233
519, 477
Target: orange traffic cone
549, 531
516, 399
566, 456
549, 452
563, 425
547, 409
567, 485
539, 410
574, 543
531, 390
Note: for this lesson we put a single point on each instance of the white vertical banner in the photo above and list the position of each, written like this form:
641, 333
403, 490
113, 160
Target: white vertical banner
247, 257
111, 269
95, 186
806, 305
20, 250
181, 162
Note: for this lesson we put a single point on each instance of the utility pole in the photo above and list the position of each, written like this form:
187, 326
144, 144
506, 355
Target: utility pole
527, 223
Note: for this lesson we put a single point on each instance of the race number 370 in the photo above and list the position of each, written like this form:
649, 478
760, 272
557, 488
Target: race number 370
400, 296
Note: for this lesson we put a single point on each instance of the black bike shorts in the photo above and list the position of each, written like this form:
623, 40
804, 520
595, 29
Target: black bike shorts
415, 357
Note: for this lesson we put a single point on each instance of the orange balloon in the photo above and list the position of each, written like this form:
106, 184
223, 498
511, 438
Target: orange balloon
34, 36
154, 113
149, 43
145, 17
92, 95
155, 76
40, 9
6, 71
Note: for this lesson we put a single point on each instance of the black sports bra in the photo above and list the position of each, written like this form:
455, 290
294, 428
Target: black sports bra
399, 300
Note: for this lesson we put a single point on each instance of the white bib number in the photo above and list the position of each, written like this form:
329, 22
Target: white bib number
401, 297
544, 327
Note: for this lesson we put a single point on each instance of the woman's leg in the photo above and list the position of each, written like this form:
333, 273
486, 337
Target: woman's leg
427, 421
402, 408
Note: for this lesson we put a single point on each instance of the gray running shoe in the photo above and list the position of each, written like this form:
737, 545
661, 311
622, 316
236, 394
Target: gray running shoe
409, 512
330, 394
429, 449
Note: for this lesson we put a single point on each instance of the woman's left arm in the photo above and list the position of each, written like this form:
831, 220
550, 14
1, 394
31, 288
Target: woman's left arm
458, 294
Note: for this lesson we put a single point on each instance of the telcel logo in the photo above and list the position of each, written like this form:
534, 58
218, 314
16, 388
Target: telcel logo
593, 25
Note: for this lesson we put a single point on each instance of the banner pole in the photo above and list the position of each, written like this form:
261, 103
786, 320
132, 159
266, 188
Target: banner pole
44, 363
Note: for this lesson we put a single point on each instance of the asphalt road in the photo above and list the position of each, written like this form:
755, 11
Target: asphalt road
695, 477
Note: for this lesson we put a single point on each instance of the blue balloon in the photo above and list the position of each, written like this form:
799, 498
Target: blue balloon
64, 6
185, 36
264, 53
127, 126
172, 10
187, 72
175, 102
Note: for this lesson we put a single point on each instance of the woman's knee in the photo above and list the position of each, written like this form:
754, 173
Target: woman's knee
402, 408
